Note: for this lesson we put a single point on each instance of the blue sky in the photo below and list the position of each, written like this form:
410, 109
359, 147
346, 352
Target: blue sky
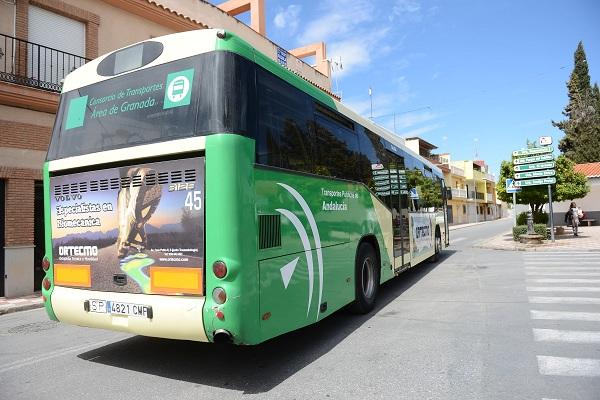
464, 75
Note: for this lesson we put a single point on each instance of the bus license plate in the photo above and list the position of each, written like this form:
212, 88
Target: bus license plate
116, 307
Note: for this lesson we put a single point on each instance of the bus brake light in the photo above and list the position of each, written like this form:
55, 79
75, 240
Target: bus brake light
219, 269
45, 263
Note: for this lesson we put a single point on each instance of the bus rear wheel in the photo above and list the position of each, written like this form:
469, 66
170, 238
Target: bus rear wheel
438, 247
366, 279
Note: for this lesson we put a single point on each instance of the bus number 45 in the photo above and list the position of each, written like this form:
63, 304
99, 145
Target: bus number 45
193, 200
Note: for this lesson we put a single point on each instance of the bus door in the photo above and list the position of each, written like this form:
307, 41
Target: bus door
399, 206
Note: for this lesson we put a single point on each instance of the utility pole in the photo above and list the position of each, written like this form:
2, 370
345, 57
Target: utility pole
371, 98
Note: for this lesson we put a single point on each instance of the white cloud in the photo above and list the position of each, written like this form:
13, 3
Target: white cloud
288, 18
414, 118
338, 18
357, 51
421, 130
406, 11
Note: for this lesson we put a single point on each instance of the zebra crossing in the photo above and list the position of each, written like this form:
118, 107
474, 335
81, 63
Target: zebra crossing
563, 289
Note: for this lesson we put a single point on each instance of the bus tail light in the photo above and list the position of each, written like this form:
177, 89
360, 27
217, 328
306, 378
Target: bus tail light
45, 263
46, 284
219, 269
219, 295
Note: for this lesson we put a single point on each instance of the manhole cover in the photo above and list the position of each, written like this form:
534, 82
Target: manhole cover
33, 327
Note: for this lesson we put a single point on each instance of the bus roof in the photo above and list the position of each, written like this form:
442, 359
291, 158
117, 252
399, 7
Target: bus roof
186, 44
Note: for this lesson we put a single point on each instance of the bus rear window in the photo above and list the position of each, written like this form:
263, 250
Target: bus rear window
171, 101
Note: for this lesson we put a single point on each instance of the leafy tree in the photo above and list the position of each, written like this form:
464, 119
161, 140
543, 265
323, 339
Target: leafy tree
581, 142
570, 185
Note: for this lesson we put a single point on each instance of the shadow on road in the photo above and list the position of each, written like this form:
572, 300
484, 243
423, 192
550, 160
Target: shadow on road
251, 369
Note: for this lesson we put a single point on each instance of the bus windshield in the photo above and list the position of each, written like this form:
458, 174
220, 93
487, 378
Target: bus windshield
188, 97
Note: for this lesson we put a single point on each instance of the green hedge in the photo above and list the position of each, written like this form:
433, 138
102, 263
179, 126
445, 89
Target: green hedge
538, 218
540, 229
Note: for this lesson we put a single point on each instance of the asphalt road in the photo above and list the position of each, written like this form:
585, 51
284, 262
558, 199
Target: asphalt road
479, 324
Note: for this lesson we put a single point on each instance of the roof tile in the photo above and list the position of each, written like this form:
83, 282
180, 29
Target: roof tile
591, 170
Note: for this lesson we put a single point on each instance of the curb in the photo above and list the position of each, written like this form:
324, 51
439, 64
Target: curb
462, 226
543, 248
24, 307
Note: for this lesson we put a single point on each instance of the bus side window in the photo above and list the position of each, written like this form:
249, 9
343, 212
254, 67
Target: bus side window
336, 149
284, 139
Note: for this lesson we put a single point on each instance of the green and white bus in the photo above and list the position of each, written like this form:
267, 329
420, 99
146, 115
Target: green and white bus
196, 189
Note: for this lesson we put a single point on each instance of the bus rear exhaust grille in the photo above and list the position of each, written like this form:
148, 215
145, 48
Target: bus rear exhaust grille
151, 179
269, 231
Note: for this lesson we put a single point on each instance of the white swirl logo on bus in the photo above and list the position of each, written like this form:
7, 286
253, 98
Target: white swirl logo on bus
288, 270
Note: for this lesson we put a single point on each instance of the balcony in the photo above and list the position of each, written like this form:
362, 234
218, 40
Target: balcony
33, 65
490, 177
459, 193
457, 171
476, 195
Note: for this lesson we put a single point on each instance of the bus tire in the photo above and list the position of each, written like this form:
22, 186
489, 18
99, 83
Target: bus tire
438, 246
367, 271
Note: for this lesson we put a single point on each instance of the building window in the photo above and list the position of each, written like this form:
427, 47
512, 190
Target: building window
464, 209
55, 32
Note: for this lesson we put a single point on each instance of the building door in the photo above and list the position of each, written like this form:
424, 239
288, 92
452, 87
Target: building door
2, 214
38, 235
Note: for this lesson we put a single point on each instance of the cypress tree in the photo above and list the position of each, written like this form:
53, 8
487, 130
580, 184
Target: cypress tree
581, 69
581, 142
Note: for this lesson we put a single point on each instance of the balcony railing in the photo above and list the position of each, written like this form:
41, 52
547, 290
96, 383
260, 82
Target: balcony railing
457, 171
490, 177
459, 193
31, 64
480, 196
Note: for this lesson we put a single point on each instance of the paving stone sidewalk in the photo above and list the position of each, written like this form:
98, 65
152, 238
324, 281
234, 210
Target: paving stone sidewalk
588, 240
20, 303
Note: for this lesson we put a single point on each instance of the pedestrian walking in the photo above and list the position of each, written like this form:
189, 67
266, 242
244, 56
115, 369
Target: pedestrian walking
572, 217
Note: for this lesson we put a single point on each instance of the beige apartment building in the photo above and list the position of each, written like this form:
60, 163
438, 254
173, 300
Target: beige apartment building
43, 40
472, 187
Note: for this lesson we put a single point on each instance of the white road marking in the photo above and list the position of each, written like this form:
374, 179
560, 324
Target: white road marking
553, 268
565, 315
563, 273
558, 335
452, 241
563, 280
562, 289
47, 356
564, 366
569, 263
564, 300
568, 255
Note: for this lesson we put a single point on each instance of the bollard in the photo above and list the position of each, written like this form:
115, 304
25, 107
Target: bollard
530, 230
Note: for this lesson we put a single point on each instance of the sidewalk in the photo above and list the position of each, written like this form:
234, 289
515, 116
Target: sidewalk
20, 303
460, 226
588, 240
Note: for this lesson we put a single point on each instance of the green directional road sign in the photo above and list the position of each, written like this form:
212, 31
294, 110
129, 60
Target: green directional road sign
532, 151
533, 159
535, 174
531, 167
535, 182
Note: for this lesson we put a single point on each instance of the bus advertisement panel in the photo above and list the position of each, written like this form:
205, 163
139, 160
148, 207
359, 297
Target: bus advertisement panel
113, 228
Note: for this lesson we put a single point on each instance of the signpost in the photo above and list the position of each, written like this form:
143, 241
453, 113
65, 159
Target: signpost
535, 182
533, 167
535, 174
511, 188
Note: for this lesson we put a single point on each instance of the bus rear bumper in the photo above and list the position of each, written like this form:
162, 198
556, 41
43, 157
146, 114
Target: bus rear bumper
173, 317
